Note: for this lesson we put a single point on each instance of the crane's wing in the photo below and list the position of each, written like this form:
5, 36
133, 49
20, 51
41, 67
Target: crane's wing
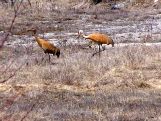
47, 46
99, 38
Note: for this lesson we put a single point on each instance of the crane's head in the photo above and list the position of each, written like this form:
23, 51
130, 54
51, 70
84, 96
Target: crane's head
80, 33
32, 30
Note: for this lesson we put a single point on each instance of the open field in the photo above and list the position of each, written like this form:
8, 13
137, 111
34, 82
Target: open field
123, 84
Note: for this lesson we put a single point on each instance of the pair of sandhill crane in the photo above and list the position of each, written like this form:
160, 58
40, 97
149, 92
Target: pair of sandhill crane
49, 48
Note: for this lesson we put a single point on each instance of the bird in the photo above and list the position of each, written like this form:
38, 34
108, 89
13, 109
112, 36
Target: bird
98, 38
47, 47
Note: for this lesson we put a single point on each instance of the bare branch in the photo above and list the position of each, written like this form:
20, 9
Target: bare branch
12, 75
8, 103
29, 2
27, 113
3, 38
6, 34
8, 67
16, 10
32, 107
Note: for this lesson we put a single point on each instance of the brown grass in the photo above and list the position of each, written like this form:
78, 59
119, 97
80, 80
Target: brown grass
120, 85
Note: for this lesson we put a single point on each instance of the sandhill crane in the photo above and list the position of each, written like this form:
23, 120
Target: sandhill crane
47, 47
97, 38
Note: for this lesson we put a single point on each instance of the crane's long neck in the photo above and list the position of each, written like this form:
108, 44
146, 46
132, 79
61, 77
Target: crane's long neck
85, 36
37, 39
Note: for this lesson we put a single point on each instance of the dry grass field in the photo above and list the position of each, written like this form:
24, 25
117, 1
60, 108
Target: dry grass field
123, 84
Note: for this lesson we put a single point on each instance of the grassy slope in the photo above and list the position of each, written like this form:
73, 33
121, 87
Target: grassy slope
123, 84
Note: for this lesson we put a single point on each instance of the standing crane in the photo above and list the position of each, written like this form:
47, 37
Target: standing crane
47, 47
97, 38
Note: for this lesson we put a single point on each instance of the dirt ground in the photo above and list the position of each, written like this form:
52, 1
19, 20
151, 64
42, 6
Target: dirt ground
123, 84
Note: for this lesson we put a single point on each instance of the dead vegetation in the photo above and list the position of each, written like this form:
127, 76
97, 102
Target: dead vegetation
56, 13
120, 86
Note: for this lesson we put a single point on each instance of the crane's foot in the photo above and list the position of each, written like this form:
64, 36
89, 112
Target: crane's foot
42, 59
36, 61
103, 48
96, 53
49, 57
89, 46
93, 54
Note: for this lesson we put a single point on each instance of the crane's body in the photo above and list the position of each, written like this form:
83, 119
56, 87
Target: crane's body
100, 38
97, 38
46, 46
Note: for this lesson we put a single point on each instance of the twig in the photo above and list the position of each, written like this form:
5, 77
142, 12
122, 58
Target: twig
15, 15
7, 67
8, 103
29, 3
12, 75
3, 39
31, 109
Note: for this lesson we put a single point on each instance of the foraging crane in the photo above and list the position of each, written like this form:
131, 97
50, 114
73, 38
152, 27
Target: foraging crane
97, 38
45, 45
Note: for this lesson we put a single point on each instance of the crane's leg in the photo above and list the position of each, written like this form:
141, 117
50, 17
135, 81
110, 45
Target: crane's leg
44, 58
90, 44
49, 57
94, 53
99, 51
103, 48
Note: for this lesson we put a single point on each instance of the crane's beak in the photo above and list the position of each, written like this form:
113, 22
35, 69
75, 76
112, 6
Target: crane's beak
78, 36
33, 31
